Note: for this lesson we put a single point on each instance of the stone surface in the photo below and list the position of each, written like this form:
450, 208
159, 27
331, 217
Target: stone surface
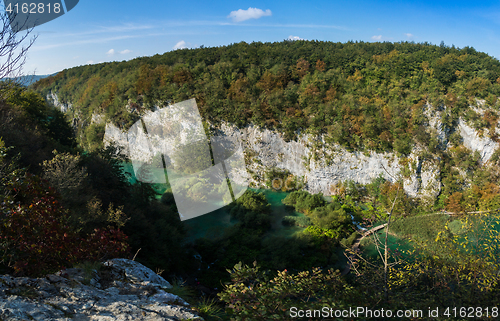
52, 97
471, 139
126, 292
322, 165
137, 273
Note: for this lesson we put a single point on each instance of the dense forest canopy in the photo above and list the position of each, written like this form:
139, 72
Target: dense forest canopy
361, 95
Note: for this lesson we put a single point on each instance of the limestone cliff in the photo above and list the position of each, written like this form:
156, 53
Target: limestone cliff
322, 165
319, 164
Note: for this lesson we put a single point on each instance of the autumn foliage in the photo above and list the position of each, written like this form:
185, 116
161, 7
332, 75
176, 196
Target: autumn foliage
36, 238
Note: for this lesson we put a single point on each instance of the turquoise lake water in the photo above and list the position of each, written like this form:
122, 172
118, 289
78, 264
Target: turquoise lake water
213, 224
394, 243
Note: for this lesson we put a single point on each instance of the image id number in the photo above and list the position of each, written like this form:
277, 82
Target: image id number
33, 8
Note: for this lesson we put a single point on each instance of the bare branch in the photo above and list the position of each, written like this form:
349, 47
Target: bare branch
12, 53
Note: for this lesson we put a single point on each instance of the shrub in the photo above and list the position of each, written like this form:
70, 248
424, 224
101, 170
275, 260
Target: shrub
332, 216
321, 235
253, 295
348, 242
304, 202
71, 180
252, 210
36, 237
302, 221
180, 289
209, 309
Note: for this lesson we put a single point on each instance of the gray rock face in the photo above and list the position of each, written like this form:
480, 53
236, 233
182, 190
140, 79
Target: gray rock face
137, 273
52, 97
434, 123
484, 145
97, 119
322, 165
126, 290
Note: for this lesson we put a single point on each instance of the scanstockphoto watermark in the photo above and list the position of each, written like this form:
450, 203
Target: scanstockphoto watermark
27, 14
358, 312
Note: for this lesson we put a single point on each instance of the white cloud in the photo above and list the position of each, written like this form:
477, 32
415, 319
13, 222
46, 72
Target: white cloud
293, 38
110, 52
90, 62
180, 45
126, 51
82, 42
378, 38
409, 35
251, 13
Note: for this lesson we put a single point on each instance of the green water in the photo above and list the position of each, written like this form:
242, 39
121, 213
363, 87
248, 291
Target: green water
213, 224
128, 170
394, 243
279, 210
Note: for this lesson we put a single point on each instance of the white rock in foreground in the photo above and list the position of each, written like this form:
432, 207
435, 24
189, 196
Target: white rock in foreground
126, 290
137, 273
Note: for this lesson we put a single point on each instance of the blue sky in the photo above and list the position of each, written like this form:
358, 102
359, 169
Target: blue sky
99, 31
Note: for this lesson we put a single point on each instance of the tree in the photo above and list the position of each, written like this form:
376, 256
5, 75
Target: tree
65, 173
253, 294
382, 246
12, 54
473, 242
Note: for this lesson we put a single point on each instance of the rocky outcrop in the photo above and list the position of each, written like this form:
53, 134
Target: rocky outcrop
471, 139
52, 97
323, 165
97, 119
121, 290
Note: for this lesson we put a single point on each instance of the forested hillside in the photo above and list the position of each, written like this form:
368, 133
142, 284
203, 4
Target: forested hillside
382, 99
362, 95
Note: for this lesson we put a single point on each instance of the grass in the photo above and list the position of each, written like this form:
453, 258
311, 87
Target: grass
423, 228
180, 289
89, 268
209, 309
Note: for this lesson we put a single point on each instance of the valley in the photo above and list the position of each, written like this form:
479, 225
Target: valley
333, 137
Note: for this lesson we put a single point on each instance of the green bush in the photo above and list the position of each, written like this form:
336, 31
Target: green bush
304, 202
348, 242
252, 210
302, 221
332, 216
253, 294
423, 228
